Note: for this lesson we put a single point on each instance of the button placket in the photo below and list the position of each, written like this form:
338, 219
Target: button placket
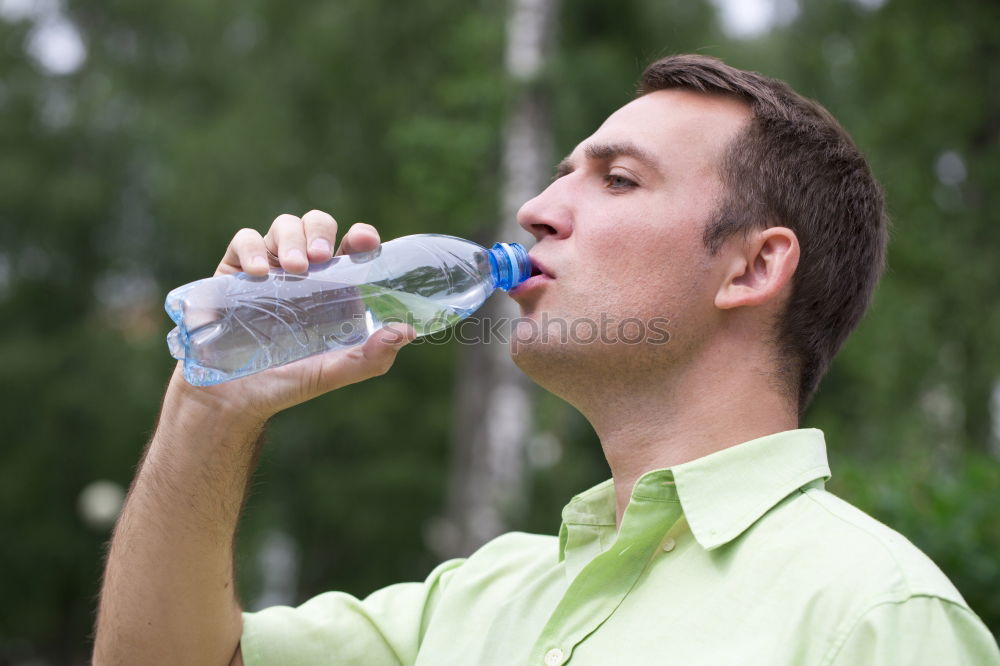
604, 581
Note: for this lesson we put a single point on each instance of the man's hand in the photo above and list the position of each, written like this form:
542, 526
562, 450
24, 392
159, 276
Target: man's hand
167, 595
293, 243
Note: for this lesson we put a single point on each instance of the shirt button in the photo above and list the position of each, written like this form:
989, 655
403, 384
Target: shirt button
553, 657
668, 545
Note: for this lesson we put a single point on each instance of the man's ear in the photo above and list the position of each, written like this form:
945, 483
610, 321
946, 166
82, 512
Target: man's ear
759, 269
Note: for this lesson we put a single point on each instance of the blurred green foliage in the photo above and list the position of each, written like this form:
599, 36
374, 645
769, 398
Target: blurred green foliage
188, 120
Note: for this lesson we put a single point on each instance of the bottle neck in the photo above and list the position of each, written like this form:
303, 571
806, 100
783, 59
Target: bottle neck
509, 265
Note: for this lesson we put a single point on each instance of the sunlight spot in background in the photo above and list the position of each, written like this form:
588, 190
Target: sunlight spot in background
18, 10
56, 44
745, 19
54, 41
950, 168
100, 502
752, 18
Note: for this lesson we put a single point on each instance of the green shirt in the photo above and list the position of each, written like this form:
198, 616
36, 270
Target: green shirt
739, 557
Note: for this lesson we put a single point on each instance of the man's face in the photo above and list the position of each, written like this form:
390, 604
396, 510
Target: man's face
619, 232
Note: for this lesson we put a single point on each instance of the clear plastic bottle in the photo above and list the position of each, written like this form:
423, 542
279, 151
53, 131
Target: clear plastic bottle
231, 326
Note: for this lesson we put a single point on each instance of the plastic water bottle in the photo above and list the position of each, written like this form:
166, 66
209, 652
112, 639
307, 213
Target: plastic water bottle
231, 326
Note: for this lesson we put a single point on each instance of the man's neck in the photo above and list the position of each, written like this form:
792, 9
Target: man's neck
702, 411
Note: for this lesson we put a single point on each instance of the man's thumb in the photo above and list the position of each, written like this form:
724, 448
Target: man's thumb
395, 335
380, 349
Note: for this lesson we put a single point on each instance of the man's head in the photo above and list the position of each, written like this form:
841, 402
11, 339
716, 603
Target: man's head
795, 166
723, 201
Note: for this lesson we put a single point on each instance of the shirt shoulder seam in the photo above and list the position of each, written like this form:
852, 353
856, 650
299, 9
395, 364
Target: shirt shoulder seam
850, 626
909, 592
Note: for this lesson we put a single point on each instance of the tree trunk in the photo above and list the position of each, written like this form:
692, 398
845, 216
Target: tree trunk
493, 416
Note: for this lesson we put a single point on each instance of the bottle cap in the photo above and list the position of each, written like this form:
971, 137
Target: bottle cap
510, 263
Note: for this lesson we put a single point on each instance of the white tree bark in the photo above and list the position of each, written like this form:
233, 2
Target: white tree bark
493, 408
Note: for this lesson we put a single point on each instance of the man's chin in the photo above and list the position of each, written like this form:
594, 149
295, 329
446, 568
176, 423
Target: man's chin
539, 355
541, 363
561, 368
529, 352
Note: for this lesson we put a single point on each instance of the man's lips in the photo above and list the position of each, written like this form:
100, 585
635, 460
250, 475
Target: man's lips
538, 268
540, 274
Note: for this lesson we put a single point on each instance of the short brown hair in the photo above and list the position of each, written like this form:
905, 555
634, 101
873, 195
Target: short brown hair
795, 166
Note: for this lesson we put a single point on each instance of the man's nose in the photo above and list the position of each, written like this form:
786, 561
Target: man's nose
548, 214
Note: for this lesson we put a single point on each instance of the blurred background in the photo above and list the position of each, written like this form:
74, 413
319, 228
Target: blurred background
137, 137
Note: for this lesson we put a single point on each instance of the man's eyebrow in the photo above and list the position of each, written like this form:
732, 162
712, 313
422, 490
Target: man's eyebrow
609, 151
564, 168
602, 152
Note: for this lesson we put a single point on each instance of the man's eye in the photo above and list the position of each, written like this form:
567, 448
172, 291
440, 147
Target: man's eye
618, 182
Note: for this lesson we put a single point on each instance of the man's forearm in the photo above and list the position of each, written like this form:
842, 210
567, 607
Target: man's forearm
168, 594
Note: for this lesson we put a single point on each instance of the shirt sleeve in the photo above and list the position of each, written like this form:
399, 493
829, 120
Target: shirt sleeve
336, 628
920, 631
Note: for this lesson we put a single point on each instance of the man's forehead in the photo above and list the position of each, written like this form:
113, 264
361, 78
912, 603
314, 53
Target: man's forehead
680, 107
668, 121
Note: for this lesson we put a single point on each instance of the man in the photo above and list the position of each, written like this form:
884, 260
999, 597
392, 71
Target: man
718, 199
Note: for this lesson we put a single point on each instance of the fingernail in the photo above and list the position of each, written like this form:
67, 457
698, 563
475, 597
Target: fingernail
296, 255
320, 245
258, 263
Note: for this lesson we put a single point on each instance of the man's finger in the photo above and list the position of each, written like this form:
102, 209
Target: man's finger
246, 252
361, 237
321, 232
287, 240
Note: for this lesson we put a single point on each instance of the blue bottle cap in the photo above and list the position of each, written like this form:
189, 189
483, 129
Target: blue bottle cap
510, 263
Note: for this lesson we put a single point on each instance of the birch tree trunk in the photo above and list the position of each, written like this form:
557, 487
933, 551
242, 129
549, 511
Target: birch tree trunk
493, 415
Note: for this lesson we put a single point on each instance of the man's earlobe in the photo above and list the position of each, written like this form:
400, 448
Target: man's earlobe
759, 273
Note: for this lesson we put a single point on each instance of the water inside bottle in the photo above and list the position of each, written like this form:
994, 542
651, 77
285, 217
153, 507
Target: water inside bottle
261, 332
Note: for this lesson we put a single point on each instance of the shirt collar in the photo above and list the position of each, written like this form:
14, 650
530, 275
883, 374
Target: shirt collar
721, 494
725, 492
